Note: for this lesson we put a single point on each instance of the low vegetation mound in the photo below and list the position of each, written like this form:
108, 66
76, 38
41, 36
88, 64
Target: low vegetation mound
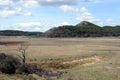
8, 63
12, 65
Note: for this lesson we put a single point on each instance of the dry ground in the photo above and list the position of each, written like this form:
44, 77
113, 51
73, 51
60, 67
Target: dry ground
100, 57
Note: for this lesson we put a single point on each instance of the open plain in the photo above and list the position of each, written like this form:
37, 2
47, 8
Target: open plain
78, 58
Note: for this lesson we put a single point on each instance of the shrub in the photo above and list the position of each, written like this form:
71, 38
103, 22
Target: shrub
4, 56
23, 69
8, 66
11, 65
8, 63
26, 68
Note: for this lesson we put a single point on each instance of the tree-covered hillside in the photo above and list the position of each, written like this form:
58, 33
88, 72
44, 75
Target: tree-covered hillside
84, 29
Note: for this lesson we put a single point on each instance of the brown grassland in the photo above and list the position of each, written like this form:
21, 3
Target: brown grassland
79, 58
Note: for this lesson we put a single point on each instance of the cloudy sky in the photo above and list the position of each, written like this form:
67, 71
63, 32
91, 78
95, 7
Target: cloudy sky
41, 15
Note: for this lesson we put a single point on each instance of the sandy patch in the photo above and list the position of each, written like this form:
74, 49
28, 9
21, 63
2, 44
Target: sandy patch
85, 61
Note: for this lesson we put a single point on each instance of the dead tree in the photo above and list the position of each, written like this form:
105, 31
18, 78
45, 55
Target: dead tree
22, 49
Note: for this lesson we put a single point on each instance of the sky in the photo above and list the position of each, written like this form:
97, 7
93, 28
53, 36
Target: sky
41, 15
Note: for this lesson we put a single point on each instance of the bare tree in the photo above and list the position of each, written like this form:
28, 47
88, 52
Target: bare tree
22, 49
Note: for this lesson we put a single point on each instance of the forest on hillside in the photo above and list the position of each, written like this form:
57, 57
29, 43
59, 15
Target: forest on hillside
84, 29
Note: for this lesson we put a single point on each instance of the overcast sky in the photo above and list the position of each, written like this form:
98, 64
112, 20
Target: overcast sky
41, 15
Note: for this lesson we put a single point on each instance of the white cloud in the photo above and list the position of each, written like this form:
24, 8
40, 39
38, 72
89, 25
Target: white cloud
5, 2
65, 23
108, 22
17, 11
7, 7
16, 7
58, 2
27, 13
81, 14
111, 21
61, 24
6, 13
29, 3
84, 15
49, 0
27, 26
37, 29
67, 8
63, 2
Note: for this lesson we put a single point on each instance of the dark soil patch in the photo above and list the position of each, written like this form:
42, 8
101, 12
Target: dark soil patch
11, 42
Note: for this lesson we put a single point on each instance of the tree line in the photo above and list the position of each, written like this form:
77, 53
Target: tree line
19, 33
84, 29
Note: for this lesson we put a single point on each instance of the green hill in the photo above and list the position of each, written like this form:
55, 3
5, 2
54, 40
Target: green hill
83, 29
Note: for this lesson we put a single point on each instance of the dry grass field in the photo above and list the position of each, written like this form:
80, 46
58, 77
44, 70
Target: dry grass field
79, 58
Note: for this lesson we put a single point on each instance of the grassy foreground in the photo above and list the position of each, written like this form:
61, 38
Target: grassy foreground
79, 58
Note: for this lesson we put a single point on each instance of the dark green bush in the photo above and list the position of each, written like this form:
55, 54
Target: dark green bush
24, 68
8, 63
8, 66
4, 56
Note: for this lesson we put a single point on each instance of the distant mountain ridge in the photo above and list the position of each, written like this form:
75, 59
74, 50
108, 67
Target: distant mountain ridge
19, 33
83, 29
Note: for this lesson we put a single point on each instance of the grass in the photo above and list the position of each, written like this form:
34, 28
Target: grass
21, 77
51, 53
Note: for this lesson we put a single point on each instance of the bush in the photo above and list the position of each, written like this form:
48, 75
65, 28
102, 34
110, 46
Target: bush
8, 63
4, 56
24, 68
8, 66
27, 69
11, 65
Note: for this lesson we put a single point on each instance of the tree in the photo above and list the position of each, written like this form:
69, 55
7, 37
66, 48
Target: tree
22, 49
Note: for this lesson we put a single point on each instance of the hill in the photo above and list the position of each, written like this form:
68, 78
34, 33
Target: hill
83, 29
